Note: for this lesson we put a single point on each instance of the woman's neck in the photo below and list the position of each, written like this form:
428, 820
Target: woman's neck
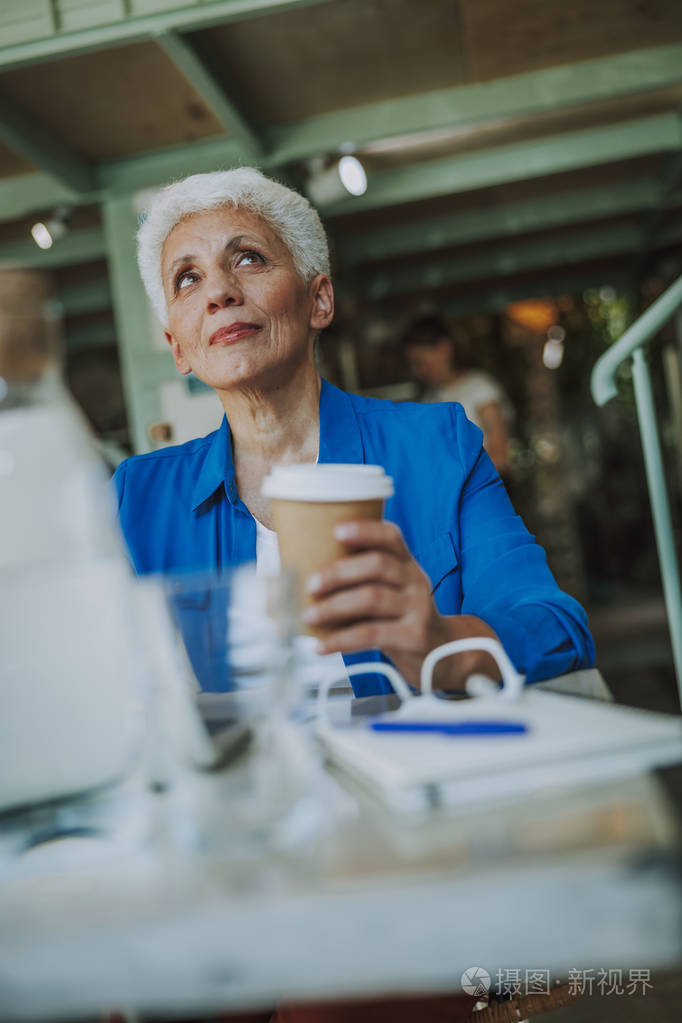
279, 425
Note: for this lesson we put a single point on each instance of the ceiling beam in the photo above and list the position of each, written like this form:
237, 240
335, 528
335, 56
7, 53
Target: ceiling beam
121, 177
500, 221
506, 260
515, 162
168, 17
28, 137
23, 194
512, 97
82, 246
190, 65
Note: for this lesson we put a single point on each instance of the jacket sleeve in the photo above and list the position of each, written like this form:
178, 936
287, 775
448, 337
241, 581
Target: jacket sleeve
505, 577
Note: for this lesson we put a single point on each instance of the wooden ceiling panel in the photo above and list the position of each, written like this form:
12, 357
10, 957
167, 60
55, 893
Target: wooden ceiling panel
113, 103
310, 61
526, 35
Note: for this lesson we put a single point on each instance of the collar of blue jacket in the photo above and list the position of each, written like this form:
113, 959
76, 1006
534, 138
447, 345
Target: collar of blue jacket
340, 441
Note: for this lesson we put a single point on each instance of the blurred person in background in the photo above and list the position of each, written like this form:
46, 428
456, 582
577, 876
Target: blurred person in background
438, 363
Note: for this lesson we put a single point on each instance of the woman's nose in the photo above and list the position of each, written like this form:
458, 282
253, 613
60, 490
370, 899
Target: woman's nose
223, 290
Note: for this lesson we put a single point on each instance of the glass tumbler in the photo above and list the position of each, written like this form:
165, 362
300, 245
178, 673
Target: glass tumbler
232, 654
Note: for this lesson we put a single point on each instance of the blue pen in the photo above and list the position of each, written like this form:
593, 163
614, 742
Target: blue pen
464, 728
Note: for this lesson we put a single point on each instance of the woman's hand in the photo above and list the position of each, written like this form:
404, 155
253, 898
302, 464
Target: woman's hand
379, 597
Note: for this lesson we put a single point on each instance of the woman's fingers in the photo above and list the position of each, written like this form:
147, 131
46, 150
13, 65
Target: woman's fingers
374, 634
377, 552
375, 597
372, 534
374, 600
368, 566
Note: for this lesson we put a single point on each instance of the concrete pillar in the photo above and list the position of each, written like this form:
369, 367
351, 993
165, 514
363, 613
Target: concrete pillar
145, 364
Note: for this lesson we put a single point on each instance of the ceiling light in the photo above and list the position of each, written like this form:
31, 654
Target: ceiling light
352, 174
42, 236
330, 181
535, 314
46, 234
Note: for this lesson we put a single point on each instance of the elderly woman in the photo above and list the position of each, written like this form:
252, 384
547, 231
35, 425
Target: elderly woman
237, 269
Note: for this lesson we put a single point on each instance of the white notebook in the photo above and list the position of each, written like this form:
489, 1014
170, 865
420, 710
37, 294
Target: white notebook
569, 740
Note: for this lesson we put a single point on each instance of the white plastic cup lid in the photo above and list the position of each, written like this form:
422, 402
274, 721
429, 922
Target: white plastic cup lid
327, 482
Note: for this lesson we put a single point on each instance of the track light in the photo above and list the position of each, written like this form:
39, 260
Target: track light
352, 174
41, 235
329, 181
47, 233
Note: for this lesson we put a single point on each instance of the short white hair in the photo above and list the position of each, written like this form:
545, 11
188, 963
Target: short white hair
289, 214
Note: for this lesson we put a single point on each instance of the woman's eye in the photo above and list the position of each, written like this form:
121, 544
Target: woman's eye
249, 257
184, 278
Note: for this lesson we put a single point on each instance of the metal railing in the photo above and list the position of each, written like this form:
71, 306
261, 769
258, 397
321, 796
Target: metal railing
603, 389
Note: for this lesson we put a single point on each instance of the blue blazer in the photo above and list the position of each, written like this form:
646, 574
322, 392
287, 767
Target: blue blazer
180, 512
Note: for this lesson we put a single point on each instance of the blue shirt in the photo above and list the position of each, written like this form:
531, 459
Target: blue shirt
180, 512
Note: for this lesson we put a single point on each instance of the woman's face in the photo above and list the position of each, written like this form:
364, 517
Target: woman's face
238, 312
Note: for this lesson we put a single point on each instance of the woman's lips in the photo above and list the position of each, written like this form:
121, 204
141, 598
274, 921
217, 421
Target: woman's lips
235, 332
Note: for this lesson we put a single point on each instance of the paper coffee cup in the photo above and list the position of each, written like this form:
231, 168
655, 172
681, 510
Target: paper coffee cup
308, 501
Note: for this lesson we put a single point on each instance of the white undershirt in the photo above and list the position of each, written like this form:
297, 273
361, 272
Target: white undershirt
314, 667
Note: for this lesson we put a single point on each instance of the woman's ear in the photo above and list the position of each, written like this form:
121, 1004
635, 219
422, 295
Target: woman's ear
180, 361
322, 312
